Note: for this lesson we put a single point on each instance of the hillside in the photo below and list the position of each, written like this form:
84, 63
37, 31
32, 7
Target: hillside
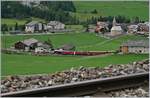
13, 21
82, 41
113, 8
76, 11
28, 64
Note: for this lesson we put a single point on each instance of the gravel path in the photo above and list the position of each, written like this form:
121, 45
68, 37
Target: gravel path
17, 83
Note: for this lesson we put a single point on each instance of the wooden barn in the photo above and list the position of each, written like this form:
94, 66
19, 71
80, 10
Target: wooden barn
27, 45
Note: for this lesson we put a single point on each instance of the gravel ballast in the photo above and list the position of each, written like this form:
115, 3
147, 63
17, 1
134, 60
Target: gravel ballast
18, 83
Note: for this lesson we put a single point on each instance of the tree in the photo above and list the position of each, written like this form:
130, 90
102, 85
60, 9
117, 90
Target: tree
136, 20
86, 26
94, 11
16, 26
21, 27
4, 28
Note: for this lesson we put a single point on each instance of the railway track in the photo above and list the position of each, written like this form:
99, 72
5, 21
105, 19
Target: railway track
84, 88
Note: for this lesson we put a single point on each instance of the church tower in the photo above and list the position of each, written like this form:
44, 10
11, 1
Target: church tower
114, 22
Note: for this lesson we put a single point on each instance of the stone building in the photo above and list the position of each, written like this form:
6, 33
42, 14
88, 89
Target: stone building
33, 26
141, 46
55, 25
26, 45
132, 29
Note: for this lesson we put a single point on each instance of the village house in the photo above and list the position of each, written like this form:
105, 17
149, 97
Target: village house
26, 45
101, 27
43, 48
55, 25
141, 46
32, 44
132, 29
116, 30
144, 27
33, 26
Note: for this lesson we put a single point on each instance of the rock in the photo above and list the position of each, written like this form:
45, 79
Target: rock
40, 83
73, 75
134, 63
50, 82
74, 79
8, 84
23, 85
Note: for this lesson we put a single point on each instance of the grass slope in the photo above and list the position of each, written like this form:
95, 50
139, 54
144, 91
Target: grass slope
113, 8
11, 22
82, 41
111, 44
78, 39
26, 64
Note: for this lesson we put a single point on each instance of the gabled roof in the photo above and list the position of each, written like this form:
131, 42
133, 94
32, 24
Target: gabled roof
54, 23
29, 41
141, 43
116, 28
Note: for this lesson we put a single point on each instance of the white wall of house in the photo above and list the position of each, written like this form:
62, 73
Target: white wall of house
26, 48
40, 26
49, 27
57, 27
138, 49
41, 49
29, 29
116, 32
60, 26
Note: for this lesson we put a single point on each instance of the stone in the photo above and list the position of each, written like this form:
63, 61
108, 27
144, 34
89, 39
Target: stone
7, 84
50, 82
74, 79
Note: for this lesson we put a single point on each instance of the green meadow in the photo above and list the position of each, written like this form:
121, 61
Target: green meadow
27, 64
113, 8
82, 41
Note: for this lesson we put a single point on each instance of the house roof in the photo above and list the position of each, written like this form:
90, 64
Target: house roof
29, 41
55, 23
118, 28
41, 44
32, 23
133, 26
141, 43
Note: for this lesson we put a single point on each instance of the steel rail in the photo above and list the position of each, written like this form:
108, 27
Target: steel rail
84, 87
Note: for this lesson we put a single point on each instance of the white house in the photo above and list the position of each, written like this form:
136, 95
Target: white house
55, 25
42, 47
33, 26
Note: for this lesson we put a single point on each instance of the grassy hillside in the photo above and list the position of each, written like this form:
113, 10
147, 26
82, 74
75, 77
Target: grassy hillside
113, 8
12, 22
113, 44
78, 39
82, 41
26, 64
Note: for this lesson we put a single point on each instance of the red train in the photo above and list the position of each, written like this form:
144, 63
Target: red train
89, 53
